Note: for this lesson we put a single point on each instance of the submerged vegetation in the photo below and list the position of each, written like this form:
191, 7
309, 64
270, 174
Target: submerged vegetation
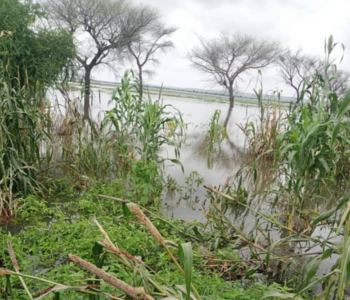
97, 233
60, 243
80, 195
311, 154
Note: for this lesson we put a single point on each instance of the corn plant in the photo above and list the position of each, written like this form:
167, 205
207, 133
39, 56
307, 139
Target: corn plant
143, 125
311, 153
153, 130
122, 118
214, 136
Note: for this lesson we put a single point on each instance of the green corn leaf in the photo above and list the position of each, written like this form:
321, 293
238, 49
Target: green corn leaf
175, 161
326, 215
186, 257
126, 211
344, 105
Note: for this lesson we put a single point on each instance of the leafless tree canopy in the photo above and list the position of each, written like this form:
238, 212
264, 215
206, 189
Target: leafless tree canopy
339, 81
297, 70
154, 38
102, 29
228, 57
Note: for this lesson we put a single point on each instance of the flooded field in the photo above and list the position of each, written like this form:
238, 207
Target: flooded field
252, 227
227, 160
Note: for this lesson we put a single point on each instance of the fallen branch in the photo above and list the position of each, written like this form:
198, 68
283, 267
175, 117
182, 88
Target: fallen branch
16, 267
136, 293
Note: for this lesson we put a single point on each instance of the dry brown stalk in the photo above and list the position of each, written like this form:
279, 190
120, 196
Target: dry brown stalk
104, 233
48, 289
44, 291
145, 221
221, 193
114, 198
13, 257
3, 273
16, 267
234, 262
249, 242
120, 252
136, 293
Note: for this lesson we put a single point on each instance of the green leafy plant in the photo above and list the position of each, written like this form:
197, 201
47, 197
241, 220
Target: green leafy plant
145, 181
193, 181
214, 136
143, 125
21, 133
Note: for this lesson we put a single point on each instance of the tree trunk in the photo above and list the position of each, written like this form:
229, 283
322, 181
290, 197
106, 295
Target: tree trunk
228, 116
232, 97
232, 103
298, 97
141, 83
87, 93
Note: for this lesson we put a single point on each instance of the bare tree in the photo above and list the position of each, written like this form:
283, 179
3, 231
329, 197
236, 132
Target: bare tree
298, 70
339, 81
154, 38
102, 29
227, 57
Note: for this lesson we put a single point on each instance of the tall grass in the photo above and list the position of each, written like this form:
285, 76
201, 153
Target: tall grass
312, 152
22, 124
82, 153
261, 133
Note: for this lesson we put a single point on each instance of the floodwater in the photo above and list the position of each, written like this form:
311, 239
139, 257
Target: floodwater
229, 158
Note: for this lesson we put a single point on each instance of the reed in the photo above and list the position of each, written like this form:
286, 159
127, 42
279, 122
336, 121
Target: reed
261, 133
22, 123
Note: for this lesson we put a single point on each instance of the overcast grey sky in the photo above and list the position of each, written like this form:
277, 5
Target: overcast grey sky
296, 23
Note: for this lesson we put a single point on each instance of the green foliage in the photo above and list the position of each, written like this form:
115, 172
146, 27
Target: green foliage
314, 150
171, 184
21, 132
31, 53
42, 250
214, 136
311, 153
144, 126
145, 181
123, 117
193, 181
157, 128
186, 257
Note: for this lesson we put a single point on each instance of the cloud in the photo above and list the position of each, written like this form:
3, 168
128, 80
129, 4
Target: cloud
296, 23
